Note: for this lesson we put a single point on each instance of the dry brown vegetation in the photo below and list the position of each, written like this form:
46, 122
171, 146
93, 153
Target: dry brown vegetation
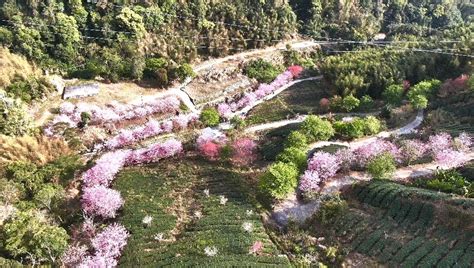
39, 150
13, 65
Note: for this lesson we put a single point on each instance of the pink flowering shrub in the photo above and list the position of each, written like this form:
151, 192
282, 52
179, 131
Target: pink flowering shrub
101, 201
321, 167
345, 158
451, 86
295, 70
110, 242
150, 129
210, 150
450, 158
365, 153
97, 261
262, 91
256, 248
105, 169
224, 110
325, 164
243, 151
115, 112
412, 150
210, 142
463, 142
74, 255
440, 142
310, 182
154, 152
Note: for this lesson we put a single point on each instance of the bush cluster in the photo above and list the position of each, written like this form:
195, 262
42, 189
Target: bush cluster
37, 194
263, 71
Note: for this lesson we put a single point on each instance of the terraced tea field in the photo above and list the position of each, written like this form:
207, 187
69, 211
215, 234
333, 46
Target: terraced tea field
407, 227
301, 98
173, 194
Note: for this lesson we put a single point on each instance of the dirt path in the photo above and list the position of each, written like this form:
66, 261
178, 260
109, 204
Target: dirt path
299, 119
295, 45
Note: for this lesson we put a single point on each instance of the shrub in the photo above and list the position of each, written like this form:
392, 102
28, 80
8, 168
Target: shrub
336, 103
49, 196
449, 181
393, 94
324, 103
317, 129
210, 150
331, 207
184, 71
366, 103
14, 119
279, 180
372, 125
351, 129
418, 101
325, 164
470, 82
210, 117
350, 103
293, 155
11, 192
238, 122
425, 88
29, 89
297, 140
101, 201
243, 151
261, 70
152, 65
27, 235
381, 166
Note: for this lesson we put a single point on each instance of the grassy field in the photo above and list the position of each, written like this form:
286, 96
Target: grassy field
172, 192
301, 98
406, 227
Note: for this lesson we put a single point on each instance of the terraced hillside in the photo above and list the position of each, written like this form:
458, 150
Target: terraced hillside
461, 109
172, 192
404, 226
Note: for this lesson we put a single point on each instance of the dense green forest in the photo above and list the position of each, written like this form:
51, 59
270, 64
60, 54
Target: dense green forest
114, 39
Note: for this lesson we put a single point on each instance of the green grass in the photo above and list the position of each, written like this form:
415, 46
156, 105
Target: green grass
301, 98
171, 192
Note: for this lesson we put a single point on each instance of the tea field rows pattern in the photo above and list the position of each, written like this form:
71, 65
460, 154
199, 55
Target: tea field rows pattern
177, 188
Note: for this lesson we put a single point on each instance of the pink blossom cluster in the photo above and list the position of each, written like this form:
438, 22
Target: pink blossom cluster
105, 169
449, 153
249, 98
440, 142
463, 142
154, 152
210, 142
107, 247
412, 150
243, 151
150, 129
365, 153
118, 112
321, 167
101, 201
97, 199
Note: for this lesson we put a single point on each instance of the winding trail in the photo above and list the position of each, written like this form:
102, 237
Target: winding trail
292, 208
299, 119
295, 45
